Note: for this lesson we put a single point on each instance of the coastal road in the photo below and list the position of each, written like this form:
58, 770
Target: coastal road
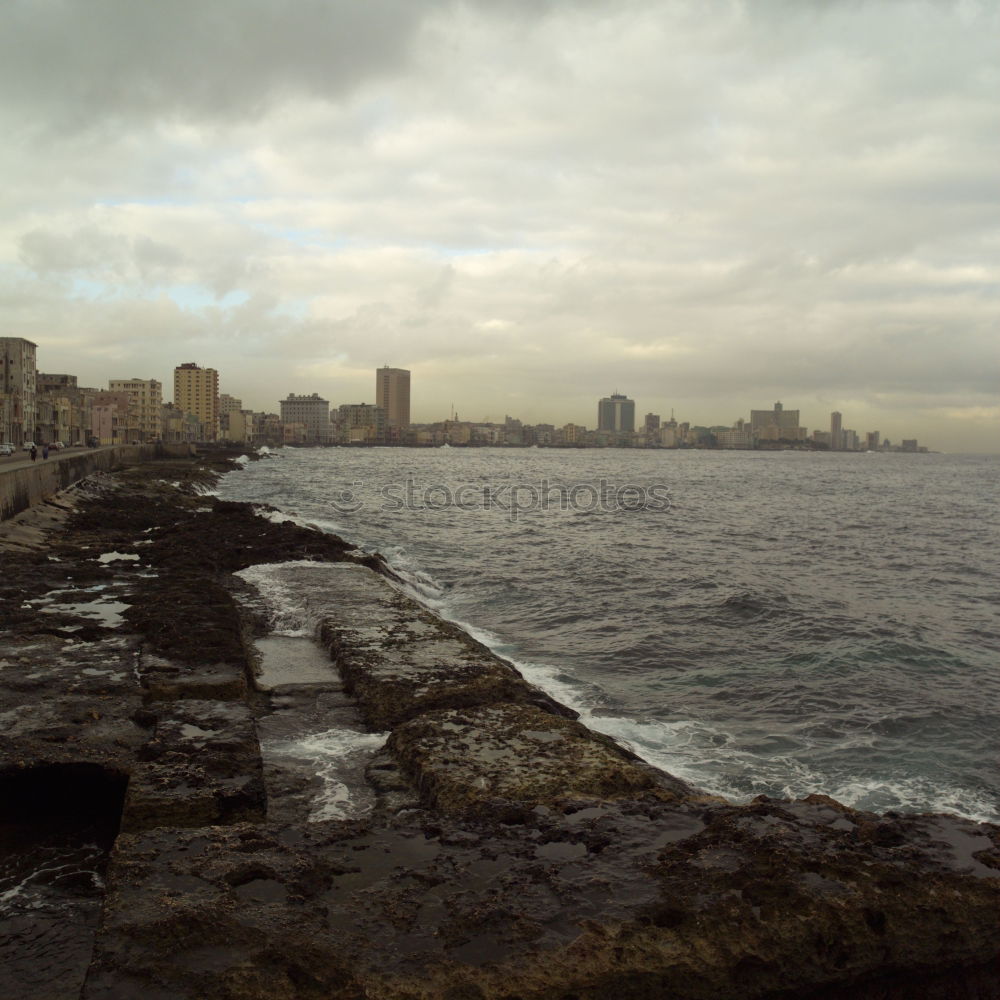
22, 459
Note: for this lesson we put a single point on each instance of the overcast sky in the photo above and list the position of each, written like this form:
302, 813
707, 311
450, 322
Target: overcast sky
530, 204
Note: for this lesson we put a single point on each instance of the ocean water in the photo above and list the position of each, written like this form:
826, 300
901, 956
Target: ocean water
754, 622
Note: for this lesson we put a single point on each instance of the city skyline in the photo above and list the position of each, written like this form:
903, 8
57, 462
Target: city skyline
136, 409
525, 205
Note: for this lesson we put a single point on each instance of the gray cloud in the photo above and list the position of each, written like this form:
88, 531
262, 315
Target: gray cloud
706, 207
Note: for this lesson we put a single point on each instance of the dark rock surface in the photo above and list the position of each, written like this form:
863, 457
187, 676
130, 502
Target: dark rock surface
503, 851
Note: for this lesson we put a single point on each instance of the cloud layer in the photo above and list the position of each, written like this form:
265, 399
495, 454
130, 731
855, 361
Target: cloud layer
708, 207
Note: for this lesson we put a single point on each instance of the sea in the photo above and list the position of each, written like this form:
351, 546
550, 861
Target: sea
778, 622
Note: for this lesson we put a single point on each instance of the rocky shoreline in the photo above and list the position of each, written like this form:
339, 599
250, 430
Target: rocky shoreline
505, 851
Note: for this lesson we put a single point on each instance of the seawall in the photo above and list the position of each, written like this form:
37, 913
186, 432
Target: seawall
22, 486
504, 851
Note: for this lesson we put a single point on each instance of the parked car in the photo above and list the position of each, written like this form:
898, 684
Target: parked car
6, 449
28, 445
57, 445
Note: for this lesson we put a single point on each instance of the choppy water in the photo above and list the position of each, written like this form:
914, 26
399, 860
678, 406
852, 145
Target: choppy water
789, 623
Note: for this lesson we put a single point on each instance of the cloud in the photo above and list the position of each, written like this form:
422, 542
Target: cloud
708, 208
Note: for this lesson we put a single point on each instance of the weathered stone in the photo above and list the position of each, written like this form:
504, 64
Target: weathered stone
63, 699
396, 657
168, 680
201, 767
512, 854
505, 759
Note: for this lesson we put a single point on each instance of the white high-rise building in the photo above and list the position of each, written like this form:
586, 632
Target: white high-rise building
146, 396
312, 412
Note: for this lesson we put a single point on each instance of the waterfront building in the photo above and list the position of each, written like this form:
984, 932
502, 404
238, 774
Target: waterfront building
392, 394
114, 418
872, 441
196, 391
738, 436
778, 424
231, 429
268, 429
229, 404
312, 412
18, 409
63, 409
178, 427
616, 413
836, 432
361, 423
147, 399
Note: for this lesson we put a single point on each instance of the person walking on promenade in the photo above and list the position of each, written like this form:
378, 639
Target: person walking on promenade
34, 453
45, 451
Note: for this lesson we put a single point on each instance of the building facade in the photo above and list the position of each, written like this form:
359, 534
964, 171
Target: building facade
392, 394
616, 413
147, 400
312, 412
836, 431
196, 391
18, 403
778, 424
114, 418
360, 423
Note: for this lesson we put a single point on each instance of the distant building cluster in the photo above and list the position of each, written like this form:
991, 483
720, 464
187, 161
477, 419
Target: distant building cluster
773, 429
47, 408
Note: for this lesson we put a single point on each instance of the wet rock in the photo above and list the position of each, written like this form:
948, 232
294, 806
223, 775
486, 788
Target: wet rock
66, 699
168, 680
397, 658
201, 767
510, 853
505, 759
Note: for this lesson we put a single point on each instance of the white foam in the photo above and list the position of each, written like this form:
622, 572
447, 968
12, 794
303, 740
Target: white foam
331, 754
288, 617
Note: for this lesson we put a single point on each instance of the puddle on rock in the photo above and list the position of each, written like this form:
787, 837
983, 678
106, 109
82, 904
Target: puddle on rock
108, 613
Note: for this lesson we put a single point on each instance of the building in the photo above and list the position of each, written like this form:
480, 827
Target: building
114, 418
268, 429
361, 423
147, 399
778, 424
18, 403
63, 409
229, 404
312, 412
196, 391
836, 432
872, 441
231, 430
392, 394
616, 413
